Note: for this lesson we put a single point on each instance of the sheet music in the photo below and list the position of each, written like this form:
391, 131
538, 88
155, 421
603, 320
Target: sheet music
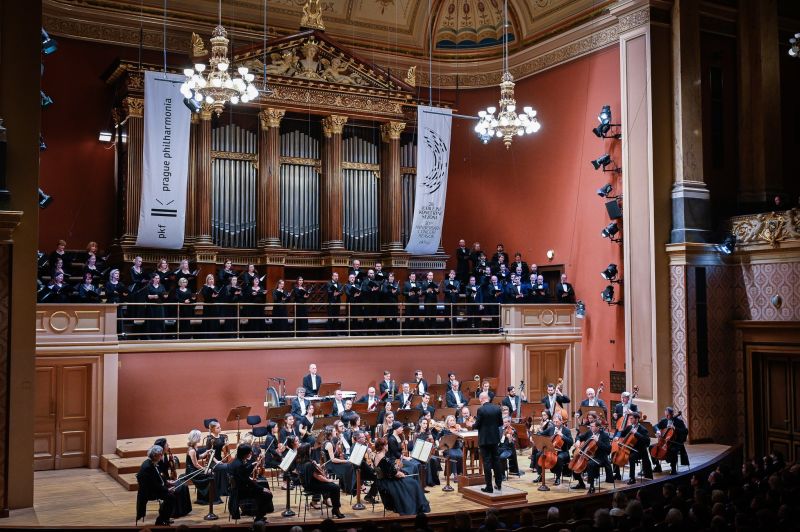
357, 454
422, 450
286, 463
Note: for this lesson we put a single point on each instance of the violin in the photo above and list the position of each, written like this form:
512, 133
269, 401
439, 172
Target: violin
549, 459
258, 467
660, 449
586, 452
173, 469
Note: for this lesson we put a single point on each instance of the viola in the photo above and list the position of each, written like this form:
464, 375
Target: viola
173, 469
660, 449
585, 453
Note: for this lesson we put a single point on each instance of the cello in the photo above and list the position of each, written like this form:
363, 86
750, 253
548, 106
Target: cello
586, 452
549, 459
621, 449
661, 448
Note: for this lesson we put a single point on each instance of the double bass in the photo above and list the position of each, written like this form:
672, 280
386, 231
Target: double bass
625, 420
559, 409
661, 448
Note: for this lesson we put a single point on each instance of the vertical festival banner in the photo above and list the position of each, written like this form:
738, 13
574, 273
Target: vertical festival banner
165, 168
433, 163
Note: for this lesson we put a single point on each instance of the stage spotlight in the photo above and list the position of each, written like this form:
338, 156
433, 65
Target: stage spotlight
604, 160
610, 230
49, 45
580, 309
192, 104
604, 118
605, 191
46, 100
608, 296
728, 245
105, 136
42, 145
605, 115
44, 199
610, 273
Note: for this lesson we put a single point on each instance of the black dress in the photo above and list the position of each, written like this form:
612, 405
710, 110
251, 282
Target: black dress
136, 289
230, 295
88, 293
210, 324
201, 481
342, 471
154, 312
185, 300
280, 320
183, 503
255, 297
300, 297
407, 497
432, 467
220, 470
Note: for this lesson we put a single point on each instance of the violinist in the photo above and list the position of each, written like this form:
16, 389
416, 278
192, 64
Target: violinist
507, 448
280, 318
289, 428
600, 457
255, 464
273, 446
397, 446
675, 444
193, 463
465, 418
384, 429
313, 479
155, 294
210, 310
345, 435
231, 295
246, 487
300, 404
556, 430
218, 443
368, 466
639, 448
301, 295
432, 467
255, 297
304, 429
554, 399
371, 399
454, 397
514, 402
455, 454
387, 409
186, 301
335, 461
168, 469
405, 491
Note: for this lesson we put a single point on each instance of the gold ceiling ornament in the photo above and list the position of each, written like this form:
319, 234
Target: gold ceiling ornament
312, 16
411, 76
198, 47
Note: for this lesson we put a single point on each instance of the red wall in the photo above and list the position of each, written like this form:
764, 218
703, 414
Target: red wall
205, 384
541, 194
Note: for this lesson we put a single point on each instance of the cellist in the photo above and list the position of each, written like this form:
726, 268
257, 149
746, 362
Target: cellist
621, 410
675, 444
557, 428
600, 457
639, 449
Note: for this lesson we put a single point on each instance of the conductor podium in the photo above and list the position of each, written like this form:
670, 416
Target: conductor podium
472, 480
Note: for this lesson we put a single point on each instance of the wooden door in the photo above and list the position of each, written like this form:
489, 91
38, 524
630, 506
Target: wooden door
545, 365
777, 425
62, 416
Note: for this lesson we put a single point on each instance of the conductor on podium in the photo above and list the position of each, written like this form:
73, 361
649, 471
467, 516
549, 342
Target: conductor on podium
488, 423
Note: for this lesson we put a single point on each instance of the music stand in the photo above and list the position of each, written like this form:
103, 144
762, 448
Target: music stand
328, 388
360, 407
442, 413
285, 465
369, 419
448, 441
355, 459
438, 392
236, 414
320, 423
522, 435
543, 443
468, 388
529, 410
415, 401
274, 413
324, 408
408, 416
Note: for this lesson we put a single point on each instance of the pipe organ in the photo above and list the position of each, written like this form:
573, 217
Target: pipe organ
408, 165
233, 187
360, 168
299, 201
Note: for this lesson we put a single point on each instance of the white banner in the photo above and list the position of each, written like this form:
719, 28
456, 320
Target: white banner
433, 163
166, 162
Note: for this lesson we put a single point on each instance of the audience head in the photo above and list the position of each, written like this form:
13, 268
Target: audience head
553, 515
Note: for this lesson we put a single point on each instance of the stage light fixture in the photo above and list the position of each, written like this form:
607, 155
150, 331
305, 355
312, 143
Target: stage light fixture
603, 161
44, 199
105, 136
46, 100
610, 230
49, 45
580, 309
610, 273
728, 245
192, 104
605, 191
608, 296
42, 145
604, 118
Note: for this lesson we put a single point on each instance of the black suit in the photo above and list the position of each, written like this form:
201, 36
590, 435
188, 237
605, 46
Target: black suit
618, 410
480, 390
640, 451
462, 264
600, 456
451, 399
561, 400
337, 411
600, 407
334, 290
415, 387
514, 405
488, 423
424, 409
247, 488
310, 389
152, 487
565, 296
675, 446
391, 388
296, 412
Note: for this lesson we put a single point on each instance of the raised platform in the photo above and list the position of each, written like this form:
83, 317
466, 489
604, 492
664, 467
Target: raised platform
504, 498
88, 498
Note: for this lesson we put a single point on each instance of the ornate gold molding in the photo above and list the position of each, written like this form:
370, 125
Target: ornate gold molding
374, 168
391, 131
302, 161
9, 220
408, 170
134, 107
333, 124
271, 117
769, 227
312, 16
301, 98
235, 156
206, 113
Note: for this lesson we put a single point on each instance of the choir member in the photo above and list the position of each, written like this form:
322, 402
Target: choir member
521, 264
462, 262
280, 316
184, 271
431, 290
154, 311
354, 298
256, 298
61, 253
389, 296
500, 256
300, 296
185, 301
87, 291
225, 273
231, 294
55, 291
334, 292
564, 291
411, 291
210, 295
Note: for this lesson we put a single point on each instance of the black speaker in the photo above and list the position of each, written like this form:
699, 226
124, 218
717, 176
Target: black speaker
614, 212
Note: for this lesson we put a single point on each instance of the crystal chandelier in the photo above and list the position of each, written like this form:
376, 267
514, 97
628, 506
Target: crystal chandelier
794, 51
215, 87
508, 122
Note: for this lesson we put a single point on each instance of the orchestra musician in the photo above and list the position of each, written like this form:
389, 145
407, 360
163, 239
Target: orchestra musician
210, 296
368, 466
345, 436
306, 420
424, 406
420, 384
338, 403
384, 428
300, 403
405, 491
592, 402
246, 487
152, 486
507, 448
312, 381
639, 450
193, 463
347, 414
387, 387
514, 402
621, 410
217, 442
465, 418
289, 428
280, 315
554, 397
395, 442
485, 389
167, 468
334, 291
600, 458
336, 462
555, 428
432, 467
454, 397
371, 399
411, 292
313, 479
675, 446
273, 446
455, 454
405, 397
185, 300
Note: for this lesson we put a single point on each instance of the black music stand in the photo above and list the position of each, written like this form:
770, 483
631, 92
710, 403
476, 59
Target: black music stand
442, 413
543, 444
285, 466
448, 441
369, 419
236, 414
328, 388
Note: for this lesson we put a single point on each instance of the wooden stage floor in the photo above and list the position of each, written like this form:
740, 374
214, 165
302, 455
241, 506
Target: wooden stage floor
90, 497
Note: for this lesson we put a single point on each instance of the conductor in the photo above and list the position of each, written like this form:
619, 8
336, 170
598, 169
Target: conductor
488, 423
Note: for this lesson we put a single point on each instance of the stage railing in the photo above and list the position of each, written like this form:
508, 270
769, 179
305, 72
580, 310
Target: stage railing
198, 321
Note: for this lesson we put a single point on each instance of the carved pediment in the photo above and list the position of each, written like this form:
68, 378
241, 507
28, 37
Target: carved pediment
312, 58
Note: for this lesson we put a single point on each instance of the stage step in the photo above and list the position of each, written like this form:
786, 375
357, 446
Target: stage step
139, 446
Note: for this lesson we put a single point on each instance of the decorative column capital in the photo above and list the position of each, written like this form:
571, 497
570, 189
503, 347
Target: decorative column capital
391, 130
134, 107
333, 124
271, 117
206, 112
195, 118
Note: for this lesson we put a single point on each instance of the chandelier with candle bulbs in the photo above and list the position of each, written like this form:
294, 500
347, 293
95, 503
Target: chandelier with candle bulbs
214, 86
508, 122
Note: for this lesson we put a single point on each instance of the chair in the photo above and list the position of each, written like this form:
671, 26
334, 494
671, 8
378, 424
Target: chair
253, 421
207, 422
238, 507
308, 493
141, 502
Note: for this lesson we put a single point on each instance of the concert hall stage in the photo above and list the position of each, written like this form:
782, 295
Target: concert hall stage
89, 498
